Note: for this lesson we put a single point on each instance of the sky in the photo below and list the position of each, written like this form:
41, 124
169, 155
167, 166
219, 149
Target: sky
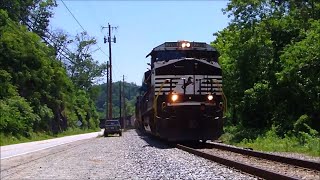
142, 25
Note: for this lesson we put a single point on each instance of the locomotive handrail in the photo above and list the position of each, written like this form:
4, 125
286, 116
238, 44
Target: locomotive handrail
225, 101
224, 98
156, 99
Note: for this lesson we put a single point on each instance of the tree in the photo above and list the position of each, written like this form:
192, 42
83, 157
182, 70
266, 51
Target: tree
267, 63
34, 13
299, 78
60, 42
130, 94
40, 14
37, 92
82, 68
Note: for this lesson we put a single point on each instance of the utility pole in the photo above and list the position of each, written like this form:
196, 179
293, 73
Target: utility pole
109, 40
107, 92
124, 104
120, 96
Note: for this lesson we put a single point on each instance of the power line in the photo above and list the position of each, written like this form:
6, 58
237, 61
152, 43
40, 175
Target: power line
58, 50
64, 49
73, 15
80, 25
53, 42
26, 35
45, 38
45, 35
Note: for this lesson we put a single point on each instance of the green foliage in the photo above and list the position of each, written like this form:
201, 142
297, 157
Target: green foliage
45, 114
17, 9
299, 77
82, 68
130, 94
7, 89
255, 106
17, 116
302, 124
85, 110
35, 13
36, 92
308, 143
235, 134
270, 56
40, 14
37, 77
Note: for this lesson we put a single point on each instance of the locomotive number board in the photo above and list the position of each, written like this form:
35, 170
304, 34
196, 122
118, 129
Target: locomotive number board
195, 44
171, 44
178, 44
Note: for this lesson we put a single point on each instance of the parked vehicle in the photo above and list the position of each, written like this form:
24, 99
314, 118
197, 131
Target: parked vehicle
112, 127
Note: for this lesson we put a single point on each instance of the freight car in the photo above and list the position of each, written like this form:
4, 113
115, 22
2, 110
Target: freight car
181, 97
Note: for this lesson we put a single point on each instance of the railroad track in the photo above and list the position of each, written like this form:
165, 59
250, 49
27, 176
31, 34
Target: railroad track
292, 161
293, 168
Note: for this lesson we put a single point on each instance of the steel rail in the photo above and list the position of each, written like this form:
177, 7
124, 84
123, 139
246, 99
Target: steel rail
237, 165
287, 160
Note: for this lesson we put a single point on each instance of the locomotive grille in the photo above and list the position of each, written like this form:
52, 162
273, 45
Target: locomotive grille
203, 84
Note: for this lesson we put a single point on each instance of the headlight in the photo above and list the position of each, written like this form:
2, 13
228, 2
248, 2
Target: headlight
174, 97
210, 97
185, 44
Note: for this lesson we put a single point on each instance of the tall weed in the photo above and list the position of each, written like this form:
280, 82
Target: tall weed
307, 143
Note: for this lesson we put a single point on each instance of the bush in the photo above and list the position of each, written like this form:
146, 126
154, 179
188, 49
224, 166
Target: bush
255, 106
17, 116
302, 124
308, 143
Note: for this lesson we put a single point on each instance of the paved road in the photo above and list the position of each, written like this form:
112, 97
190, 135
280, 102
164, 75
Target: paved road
25, 148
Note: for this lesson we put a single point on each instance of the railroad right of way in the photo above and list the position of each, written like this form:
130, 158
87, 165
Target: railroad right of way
264, 165
131, 156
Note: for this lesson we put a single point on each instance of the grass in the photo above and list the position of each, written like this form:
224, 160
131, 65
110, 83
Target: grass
7, 139
269, 141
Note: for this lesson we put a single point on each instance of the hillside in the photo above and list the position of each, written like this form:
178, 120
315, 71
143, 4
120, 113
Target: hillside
130, 94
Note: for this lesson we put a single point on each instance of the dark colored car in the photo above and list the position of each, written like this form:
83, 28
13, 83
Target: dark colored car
112, 127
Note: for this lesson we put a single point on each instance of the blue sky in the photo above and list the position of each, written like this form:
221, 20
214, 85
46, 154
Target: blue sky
142, 25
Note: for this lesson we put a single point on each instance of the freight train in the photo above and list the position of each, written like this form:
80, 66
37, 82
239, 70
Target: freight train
181, 97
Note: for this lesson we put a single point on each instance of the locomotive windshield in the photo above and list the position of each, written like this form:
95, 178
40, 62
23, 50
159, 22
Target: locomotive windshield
179, 54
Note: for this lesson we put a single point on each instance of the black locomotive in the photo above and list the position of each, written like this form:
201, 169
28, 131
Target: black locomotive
181, 97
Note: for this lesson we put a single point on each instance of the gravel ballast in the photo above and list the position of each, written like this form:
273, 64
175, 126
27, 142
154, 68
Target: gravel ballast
286, 154
282, 168
128, 157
